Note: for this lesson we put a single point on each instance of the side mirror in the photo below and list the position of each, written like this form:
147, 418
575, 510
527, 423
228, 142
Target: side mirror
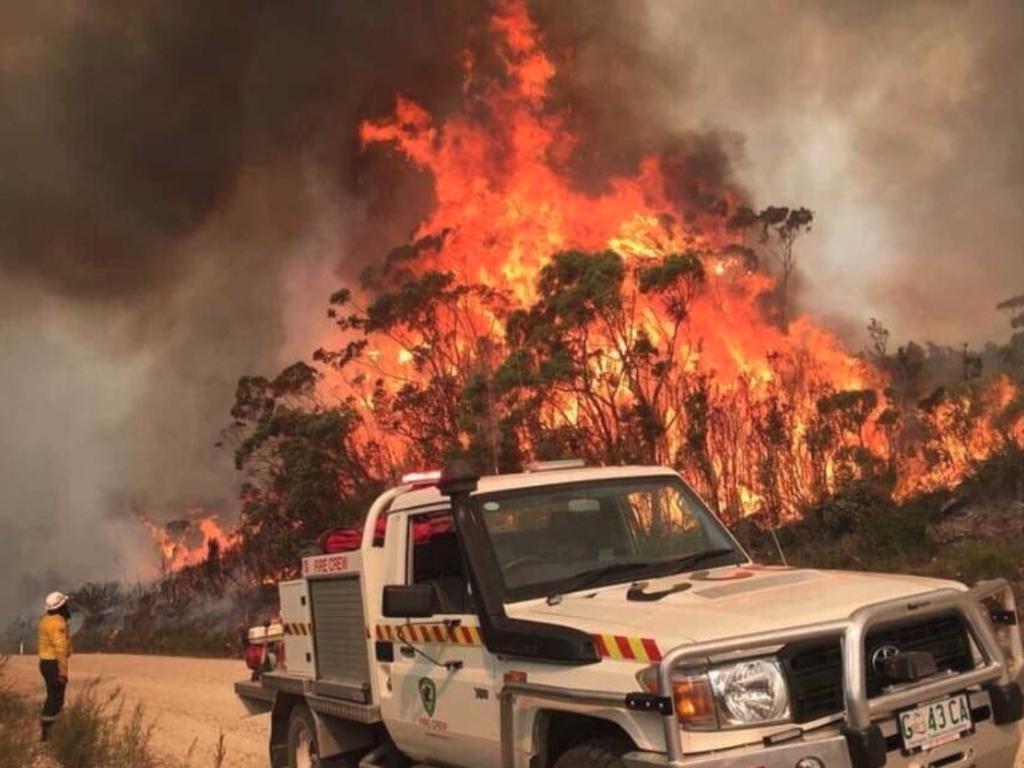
410, 601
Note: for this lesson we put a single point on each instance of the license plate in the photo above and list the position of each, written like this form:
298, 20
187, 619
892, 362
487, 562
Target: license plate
936, 723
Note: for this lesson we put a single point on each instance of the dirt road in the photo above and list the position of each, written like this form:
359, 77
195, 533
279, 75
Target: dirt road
190, 700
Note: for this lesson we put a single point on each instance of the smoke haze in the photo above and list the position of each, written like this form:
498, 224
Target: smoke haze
182, 188
899, 124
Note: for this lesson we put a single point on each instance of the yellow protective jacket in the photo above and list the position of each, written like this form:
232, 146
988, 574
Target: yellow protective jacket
55, 641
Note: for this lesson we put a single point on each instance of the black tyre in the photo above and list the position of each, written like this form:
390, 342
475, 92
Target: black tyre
303, 749
599, 753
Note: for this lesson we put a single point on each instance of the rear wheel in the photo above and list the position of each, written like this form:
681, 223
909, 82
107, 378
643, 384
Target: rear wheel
303, 750
598, 753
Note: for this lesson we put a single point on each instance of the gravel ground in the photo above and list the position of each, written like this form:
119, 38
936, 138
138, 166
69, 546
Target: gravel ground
189, 700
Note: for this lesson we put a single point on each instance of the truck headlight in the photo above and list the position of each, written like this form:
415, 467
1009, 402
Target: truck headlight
744, 693
750, 692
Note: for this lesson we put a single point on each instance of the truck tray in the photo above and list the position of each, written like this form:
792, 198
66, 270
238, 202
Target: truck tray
260, 697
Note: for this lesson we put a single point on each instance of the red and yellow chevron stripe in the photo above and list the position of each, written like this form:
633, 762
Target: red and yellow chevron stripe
627, 648
298, 628
641, 649
446, 634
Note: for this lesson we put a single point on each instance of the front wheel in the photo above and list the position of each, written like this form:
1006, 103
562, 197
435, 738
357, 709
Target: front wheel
303, 749
598, 753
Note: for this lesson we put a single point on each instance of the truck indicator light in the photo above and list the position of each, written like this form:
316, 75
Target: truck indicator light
695, 704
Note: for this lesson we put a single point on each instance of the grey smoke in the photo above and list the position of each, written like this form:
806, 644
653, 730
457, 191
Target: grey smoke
178, 187
900, 124
180, 184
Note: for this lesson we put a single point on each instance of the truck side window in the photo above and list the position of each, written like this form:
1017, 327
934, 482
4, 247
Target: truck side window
437, 559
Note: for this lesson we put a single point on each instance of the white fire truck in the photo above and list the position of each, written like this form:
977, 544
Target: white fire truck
572, 617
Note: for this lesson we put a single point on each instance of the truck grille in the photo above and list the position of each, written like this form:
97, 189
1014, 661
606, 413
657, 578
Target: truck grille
815, 670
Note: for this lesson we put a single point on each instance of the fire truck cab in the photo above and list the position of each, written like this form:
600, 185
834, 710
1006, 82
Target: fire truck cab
568, 617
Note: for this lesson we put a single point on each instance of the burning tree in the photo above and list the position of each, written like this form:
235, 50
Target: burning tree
305, 465
651, 320
527, 318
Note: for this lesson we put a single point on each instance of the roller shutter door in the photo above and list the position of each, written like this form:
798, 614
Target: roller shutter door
340, 635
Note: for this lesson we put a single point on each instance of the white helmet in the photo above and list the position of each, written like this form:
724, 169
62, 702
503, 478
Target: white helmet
55, 601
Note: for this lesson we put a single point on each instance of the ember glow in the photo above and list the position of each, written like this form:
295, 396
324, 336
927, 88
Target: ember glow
187, 541
760, 414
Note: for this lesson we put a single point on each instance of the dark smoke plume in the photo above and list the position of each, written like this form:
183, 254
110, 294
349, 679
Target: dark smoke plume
181, 182
182, 186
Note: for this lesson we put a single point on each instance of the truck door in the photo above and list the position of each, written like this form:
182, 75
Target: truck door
434, 714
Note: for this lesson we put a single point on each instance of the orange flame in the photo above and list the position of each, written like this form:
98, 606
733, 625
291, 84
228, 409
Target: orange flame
505, 203
186, 542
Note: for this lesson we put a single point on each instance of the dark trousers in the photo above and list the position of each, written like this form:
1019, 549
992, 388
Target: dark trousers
54, 690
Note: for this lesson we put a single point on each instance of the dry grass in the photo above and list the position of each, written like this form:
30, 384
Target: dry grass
17, 729
96, 730
220, 753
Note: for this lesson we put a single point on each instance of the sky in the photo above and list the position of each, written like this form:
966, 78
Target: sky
181, 189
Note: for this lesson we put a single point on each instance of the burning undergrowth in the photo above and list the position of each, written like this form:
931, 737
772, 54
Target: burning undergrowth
194, 538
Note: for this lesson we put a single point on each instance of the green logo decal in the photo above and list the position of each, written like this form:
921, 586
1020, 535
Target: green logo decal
428, 695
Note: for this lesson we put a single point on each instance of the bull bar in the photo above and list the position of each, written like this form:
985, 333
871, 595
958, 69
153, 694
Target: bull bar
859, 710
994, 669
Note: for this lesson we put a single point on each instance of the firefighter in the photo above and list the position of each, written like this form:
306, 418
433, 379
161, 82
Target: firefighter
54, 652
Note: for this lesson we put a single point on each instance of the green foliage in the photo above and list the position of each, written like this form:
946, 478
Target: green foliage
674, 269
855, 508
413, 303
974, 561
576, 287
579, 341
306, 470
677, 278
900, 532
1002, 476
194, 640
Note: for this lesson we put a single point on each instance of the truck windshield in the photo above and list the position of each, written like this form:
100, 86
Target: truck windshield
560, 538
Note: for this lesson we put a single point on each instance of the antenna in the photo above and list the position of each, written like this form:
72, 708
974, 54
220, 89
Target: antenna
778, 545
